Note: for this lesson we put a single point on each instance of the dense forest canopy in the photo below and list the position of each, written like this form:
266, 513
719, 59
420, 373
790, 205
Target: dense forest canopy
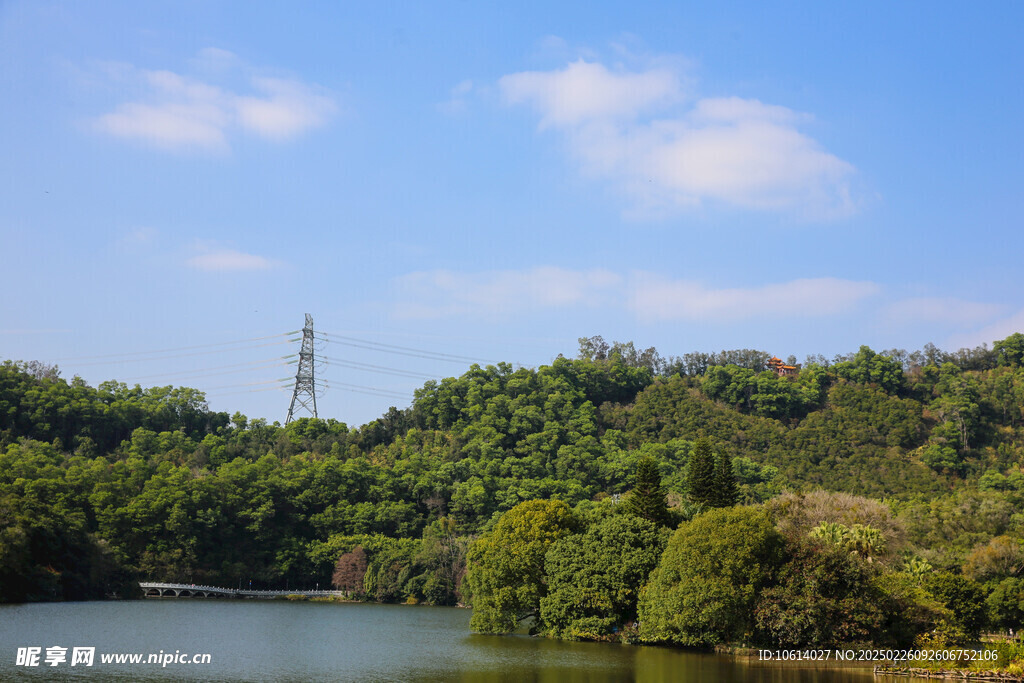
102, 486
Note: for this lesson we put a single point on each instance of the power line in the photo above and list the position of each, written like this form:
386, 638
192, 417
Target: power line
180, 355
378, 393
215, 371
522, 342
364, 389
306, 389
402, 350
180, 348
251, 384
246, 391
369, 367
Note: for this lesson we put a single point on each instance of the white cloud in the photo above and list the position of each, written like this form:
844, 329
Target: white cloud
18, 331
656, 298
737, 109
181, 113
736, 151
650, 297
288, 109
456, 103
229, 260
585, 91
169, 126
948, 310
214, 59
1001, 329
442, 293
139, 237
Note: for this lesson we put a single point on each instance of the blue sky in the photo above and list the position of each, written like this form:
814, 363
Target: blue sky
493, 181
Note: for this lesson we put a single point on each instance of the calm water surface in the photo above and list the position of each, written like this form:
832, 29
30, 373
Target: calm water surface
302, 641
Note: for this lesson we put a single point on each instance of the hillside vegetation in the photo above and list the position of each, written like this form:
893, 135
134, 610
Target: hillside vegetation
100, 486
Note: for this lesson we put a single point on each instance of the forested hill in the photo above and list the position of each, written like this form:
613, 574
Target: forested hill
102, 485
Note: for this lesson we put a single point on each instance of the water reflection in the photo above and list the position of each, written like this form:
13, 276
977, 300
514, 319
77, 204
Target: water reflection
283, 641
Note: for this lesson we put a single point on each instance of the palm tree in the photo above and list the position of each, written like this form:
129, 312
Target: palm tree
831, 533
866, 541
917, 567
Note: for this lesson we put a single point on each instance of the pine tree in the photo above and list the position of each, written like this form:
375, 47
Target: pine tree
701, 475
725, 483
648, 498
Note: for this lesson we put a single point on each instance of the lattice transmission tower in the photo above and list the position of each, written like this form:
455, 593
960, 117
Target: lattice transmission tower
304, 393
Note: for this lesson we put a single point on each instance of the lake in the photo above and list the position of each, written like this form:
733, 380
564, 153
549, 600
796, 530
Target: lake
255, 640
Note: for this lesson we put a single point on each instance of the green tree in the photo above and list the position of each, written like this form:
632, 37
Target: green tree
860, 539
46, 554
910, 611
1001, 557
831, 533
756, 482
391, 565
957, 405
941, 458
594, 578
443, 552
763, 393
867, 541
648, 499
705, 586
1006, 603
961, 596
725, 493
868, 367
917, 567
701, 473
823, 596
506, 577
1010, 351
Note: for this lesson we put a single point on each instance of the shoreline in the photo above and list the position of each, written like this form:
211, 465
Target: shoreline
961, 674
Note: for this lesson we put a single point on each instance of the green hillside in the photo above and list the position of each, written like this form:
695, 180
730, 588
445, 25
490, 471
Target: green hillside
100, 486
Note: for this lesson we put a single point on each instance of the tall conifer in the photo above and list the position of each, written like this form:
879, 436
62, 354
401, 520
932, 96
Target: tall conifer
648, 498
701, 475
725, 483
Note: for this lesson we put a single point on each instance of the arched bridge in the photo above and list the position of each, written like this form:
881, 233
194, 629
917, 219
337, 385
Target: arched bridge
191, 590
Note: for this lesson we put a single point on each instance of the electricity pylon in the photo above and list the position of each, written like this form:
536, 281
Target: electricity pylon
305, 378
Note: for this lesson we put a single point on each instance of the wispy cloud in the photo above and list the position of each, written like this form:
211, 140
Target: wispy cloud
585, 92
229, 260
443, 293
667, 149
144, 236
649, 297
178, 112
1000, 329
457, 100
26, 331
654, 298
948, 310
285, 109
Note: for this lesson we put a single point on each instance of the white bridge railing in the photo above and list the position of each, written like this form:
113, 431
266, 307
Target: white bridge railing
176, 589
